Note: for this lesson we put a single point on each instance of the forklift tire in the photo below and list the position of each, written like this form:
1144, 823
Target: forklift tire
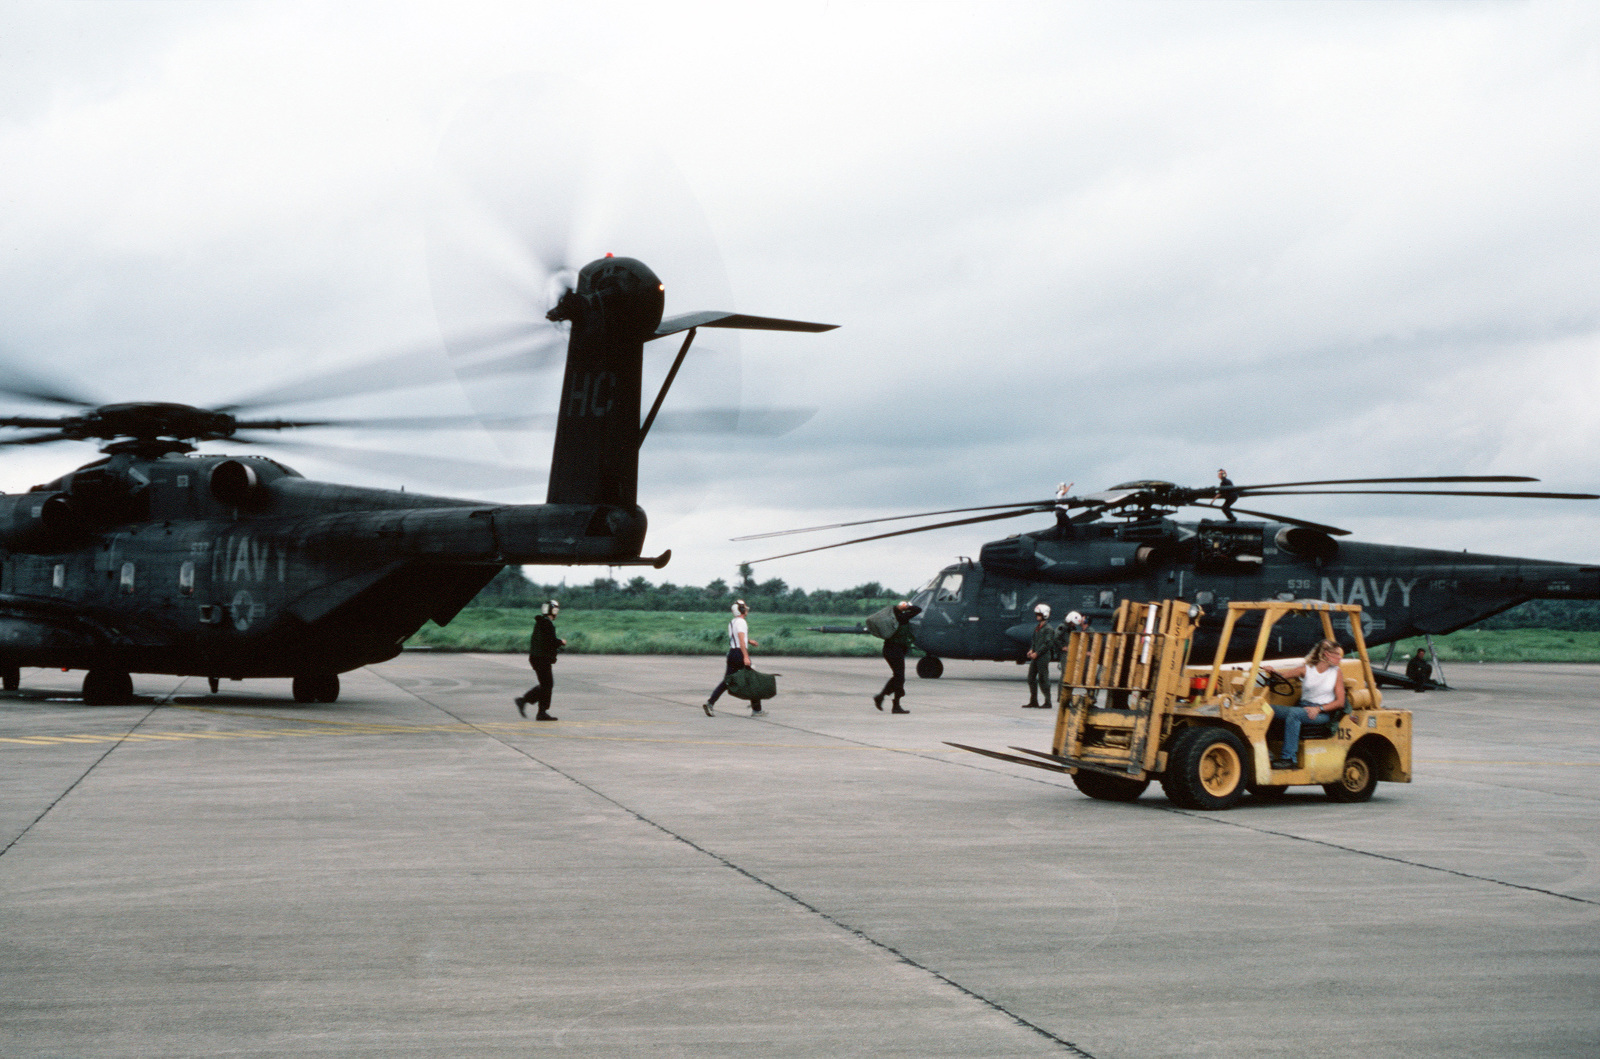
1108, 788
1359, 779
1206, 769
930, 668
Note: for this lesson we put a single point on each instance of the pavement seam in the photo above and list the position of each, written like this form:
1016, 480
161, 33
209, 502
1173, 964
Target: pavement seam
1369, 853
1210, 819
780, 891
74, 786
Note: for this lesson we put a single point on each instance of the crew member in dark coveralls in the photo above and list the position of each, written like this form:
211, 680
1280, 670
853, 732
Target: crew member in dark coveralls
1419, 670
542, 648
1226, 494
1045, 646
894, 652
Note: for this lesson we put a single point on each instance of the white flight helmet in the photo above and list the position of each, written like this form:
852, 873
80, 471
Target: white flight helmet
550, 607
1043, 610
1074, 618
740, 607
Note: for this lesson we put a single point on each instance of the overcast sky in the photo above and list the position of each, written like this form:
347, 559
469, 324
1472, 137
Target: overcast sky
1082, 243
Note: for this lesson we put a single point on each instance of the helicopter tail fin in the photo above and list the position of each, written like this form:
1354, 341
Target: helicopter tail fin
615, 309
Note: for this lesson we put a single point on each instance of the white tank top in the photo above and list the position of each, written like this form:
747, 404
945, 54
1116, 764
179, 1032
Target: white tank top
1316, 689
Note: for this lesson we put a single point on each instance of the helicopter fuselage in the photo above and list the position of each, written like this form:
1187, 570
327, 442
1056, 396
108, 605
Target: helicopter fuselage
240, 567
984, 609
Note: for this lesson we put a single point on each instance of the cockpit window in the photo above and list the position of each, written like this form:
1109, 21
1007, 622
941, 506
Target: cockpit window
949, 589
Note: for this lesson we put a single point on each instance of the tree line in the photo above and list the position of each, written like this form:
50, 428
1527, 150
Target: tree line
511, 588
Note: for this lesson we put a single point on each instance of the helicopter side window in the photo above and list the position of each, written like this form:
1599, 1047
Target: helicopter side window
949, 589
127, 578
58, 576
186, 578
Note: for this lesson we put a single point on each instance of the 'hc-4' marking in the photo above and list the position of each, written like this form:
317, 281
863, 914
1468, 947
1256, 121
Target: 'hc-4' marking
591, 394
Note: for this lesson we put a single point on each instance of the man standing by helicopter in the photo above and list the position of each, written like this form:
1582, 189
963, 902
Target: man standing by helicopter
542, 648
1046, 645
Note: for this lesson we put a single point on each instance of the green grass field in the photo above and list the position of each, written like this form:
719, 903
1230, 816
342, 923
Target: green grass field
1503, 645
648, 632
645, 632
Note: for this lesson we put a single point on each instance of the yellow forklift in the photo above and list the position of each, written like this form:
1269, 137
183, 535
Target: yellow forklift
1132, 709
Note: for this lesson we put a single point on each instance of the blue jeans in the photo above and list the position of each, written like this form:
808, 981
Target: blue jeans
1293, 718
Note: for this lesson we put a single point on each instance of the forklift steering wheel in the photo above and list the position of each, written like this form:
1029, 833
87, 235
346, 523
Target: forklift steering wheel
1278, 685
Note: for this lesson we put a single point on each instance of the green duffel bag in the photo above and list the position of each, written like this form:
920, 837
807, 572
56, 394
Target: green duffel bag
749, 685
883, 624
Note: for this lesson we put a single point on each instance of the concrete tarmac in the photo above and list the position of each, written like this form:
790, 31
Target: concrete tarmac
417, 871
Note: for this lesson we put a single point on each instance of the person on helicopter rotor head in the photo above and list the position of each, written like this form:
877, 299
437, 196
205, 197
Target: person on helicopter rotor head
894, 652
1044, 647
1226, 493
542, 648
739, 644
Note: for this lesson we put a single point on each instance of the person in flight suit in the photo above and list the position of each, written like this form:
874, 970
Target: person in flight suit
1419, 670
542, 648
894, 652
1045, 646
1226, 493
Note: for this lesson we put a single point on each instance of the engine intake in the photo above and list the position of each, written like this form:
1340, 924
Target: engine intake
236, 484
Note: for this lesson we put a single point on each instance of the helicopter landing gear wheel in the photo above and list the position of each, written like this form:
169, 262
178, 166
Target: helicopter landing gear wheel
107, 687
930, 668
319, 687
213, 683
10, 677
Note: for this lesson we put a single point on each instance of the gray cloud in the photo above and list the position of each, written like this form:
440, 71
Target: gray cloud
1084, 243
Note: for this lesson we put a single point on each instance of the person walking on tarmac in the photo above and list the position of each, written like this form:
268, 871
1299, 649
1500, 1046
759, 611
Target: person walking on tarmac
739, 644
1045, 646
894, 652
542, 648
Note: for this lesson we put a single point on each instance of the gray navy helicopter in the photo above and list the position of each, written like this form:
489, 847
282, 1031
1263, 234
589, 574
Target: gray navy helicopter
1124, 543
156, 558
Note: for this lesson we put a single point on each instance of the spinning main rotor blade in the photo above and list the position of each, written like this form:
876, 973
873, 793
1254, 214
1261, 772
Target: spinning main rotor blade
897, 533
1390, 481
1035, 505
39, 439
36, 422
405, 465
749, 422
17, 381
419, 365
1427, 492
